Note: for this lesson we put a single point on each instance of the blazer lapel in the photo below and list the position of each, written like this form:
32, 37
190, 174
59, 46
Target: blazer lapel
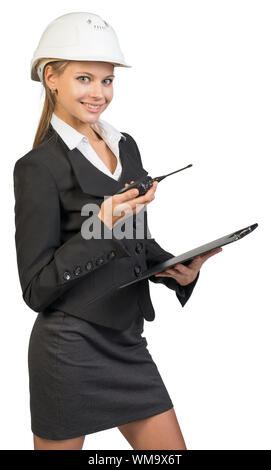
92, 180
95, 182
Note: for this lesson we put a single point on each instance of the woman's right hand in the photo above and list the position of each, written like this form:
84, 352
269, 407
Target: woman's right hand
120, 202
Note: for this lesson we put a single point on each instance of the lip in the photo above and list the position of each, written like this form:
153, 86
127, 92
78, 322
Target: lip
93, 110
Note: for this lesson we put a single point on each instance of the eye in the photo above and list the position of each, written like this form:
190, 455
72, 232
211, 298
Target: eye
110, 79
78, 78
84, 76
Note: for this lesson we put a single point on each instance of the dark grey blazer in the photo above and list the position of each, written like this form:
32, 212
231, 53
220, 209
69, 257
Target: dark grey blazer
58, 268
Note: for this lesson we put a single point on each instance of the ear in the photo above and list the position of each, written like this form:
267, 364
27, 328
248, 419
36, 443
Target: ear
49, 77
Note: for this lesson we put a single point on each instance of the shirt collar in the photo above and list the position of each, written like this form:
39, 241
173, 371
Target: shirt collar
72, 137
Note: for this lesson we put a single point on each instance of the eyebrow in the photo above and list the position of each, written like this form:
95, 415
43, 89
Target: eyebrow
87, 73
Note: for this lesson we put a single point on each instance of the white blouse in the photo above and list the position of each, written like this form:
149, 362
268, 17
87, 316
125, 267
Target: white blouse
73, 138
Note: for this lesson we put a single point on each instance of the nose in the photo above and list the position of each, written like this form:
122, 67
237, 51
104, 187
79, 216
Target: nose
96, 90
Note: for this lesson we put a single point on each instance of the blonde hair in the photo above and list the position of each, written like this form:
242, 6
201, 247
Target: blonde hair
50, 100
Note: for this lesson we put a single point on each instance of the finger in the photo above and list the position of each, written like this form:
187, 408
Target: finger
134, 200
162, 275
181, 268
138, 202
211, 253
148, 196
127, 184
154, 186
130, 194
170, 271
198, 260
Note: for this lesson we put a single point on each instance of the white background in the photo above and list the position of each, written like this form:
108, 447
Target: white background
198, 92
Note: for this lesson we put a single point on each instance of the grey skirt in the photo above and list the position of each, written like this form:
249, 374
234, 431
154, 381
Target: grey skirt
85, 378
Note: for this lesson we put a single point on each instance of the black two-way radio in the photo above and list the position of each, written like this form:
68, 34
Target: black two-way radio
145, 183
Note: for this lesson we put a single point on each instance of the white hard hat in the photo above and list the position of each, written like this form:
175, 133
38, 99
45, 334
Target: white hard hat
77, 36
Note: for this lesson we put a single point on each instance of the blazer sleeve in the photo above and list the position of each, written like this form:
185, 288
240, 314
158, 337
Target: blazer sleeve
155, 254
47, 268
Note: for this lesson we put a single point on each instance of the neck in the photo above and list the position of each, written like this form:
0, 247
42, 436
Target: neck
94, 136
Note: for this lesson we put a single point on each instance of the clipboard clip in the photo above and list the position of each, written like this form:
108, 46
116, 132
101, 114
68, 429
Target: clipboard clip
242, 234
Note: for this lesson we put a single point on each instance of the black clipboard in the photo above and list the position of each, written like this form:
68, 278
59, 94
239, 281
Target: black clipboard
187, 257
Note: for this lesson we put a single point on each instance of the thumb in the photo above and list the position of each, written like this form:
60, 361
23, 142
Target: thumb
131, 194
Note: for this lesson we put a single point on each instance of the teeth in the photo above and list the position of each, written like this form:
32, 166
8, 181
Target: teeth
91, 106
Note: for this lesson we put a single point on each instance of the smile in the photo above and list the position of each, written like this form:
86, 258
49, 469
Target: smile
91, 106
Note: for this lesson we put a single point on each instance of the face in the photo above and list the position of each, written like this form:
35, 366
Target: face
80, 84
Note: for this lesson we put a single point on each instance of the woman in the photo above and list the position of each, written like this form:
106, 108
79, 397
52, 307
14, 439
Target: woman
89, 367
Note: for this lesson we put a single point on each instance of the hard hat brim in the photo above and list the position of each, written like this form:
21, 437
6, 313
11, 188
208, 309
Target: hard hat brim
35, 75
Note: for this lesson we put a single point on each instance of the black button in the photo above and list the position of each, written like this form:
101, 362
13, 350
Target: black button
112, 255
67, 275
77, 270
139, 247
99, 261
137, 269
89, 266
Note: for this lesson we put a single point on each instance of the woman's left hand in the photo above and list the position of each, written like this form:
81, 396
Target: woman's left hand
186, 274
